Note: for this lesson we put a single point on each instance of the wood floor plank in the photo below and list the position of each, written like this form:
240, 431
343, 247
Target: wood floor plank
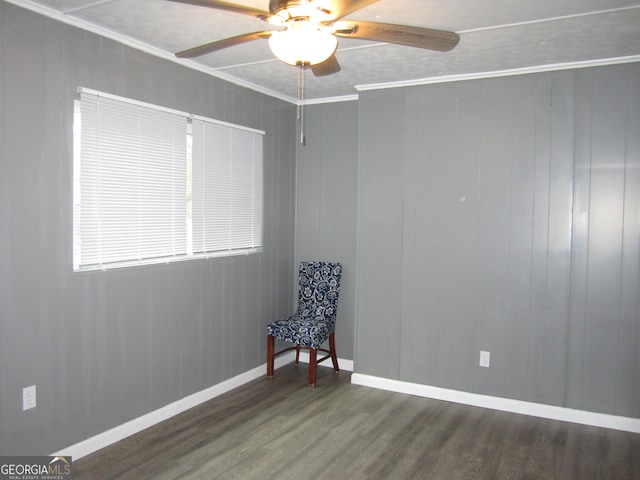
282, 429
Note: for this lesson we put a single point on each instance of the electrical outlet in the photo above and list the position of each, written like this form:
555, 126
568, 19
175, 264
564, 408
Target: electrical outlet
29, 397
485, 359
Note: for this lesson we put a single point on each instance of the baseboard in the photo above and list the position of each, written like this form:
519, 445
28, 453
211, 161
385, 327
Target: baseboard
504, 404
343, 363
136, 425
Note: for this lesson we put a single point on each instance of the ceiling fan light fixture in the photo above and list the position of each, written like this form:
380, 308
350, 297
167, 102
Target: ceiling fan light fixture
303, 42
291, 10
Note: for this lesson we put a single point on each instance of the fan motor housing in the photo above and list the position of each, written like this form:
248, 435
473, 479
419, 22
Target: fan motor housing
278, 6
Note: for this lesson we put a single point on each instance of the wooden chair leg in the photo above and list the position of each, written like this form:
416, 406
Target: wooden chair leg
297, 354
313, 363
332, 348
271, 343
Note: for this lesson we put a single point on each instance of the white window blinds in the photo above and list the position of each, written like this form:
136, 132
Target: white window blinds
142, 196
227, 172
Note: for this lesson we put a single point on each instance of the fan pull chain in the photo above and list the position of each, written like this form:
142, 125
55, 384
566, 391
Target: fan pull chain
301, 100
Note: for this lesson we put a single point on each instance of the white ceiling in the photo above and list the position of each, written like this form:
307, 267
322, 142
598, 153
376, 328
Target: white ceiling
497, 37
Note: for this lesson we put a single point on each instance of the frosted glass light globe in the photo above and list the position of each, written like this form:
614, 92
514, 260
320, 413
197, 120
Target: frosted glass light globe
304, 43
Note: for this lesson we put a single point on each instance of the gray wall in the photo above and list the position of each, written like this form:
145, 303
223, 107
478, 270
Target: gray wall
498, 214
326, 200
503, 215
106, 347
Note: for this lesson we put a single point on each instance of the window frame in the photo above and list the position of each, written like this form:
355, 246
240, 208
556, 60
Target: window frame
256, 177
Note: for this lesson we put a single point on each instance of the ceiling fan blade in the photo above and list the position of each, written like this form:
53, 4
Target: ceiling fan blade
399, 34
328, 67
220, 44
229, 7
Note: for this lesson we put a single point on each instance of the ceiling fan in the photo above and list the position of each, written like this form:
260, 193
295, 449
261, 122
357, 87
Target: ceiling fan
304, 31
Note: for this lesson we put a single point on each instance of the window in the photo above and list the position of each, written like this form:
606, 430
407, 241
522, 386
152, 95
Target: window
153, 185
226, 162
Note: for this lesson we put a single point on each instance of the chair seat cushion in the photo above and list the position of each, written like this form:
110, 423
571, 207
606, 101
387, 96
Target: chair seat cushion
303, 331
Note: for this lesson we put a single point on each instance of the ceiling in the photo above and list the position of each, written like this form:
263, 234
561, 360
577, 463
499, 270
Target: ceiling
497, 37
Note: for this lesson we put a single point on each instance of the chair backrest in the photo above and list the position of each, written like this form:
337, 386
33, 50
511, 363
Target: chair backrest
318, 288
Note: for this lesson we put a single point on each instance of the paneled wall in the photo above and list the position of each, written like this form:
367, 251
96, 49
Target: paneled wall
604, 361
503, 215
106, 347
326, 202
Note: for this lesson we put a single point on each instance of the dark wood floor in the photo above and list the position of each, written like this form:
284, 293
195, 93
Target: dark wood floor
283, 429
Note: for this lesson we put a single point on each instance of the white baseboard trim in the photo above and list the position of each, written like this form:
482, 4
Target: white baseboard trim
136, 425
504, 404
343, 363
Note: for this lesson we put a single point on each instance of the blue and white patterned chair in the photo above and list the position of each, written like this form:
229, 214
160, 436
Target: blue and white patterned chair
315, 319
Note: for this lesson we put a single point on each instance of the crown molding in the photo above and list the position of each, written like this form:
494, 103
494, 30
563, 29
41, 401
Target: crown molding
342, 98
500, 73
